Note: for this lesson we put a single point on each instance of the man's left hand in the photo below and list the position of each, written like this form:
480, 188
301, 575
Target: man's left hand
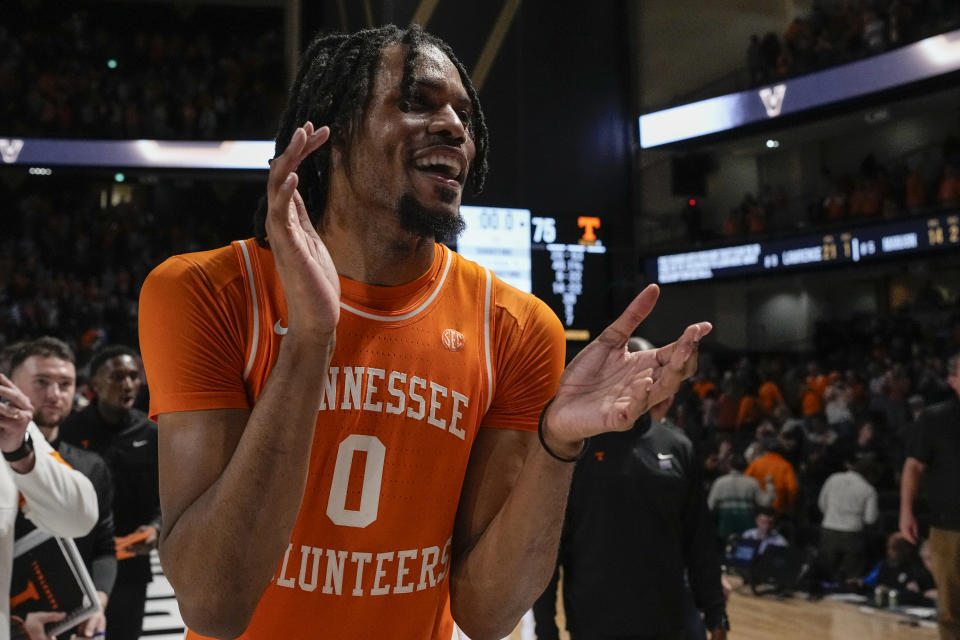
34, 625
605, 388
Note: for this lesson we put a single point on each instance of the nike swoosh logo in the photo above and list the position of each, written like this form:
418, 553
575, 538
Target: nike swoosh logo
139, 443
279, 329
664, 456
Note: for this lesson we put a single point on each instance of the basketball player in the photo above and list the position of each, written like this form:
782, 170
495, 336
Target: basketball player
346, 407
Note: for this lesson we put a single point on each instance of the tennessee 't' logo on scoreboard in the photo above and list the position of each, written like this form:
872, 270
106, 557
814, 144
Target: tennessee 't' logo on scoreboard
452, 340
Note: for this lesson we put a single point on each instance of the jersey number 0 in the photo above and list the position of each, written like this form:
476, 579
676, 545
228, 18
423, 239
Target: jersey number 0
372, 479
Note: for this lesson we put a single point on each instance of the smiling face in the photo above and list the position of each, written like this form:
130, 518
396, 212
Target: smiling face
410, 161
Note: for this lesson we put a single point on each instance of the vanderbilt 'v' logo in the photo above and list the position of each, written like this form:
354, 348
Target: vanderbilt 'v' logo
772, 98
10, 149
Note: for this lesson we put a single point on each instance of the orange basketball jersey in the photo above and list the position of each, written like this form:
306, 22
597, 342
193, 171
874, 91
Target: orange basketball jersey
416, 371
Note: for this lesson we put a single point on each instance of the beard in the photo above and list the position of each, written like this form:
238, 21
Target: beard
49, 417
419, 220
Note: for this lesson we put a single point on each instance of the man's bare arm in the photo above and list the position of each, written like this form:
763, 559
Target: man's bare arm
913, 471
232, 480
508, 531
231, 485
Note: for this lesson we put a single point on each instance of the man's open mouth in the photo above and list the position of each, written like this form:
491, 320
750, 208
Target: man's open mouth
446, 165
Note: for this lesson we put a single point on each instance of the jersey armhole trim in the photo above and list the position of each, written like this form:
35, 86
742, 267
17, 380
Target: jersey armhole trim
251, 282
487, 310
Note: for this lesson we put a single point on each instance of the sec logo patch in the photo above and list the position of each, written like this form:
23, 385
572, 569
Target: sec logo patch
452, 340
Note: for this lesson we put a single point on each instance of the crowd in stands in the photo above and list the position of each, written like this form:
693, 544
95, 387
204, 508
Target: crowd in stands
140, 70
72, 268
875, 191
788, 443
840, 31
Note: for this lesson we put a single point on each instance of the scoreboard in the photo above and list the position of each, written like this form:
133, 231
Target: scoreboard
561, 260
854, 245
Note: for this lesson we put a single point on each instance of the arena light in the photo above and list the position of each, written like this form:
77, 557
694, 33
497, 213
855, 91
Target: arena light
943, 50
111, 63
773, 144
235, 154
40, 171
126, 154
119, 177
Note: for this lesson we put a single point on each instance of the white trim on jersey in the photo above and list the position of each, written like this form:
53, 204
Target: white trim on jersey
256, 309
486, 335
410, 314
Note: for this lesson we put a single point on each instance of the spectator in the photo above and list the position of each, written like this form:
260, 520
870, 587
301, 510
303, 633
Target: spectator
837, 410
56, 498
764, 532
734, 498
96, 548
873, 32
915, 191
127, 440
769, 397
902, 570
812, 392
773, 465
896, 388
848, 502
948, 195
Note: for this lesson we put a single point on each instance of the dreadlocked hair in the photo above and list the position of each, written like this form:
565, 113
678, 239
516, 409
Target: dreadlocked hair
332, 88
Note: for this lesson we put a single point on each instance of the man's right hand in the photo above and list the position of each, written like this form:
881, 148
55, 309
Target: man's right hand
16, 412
908, 526
310, 282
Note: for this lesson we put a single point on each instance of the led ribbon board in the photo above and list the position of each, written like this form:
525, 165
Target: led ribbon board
853, 245
154, 154
921, 60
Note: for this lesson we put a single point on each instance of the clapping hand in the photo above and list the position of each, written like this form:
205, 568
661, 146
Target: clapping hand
310, 281
605, 388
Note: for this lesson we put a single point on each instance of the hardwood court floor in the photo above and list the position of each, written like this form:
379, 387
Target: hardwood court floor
767, 618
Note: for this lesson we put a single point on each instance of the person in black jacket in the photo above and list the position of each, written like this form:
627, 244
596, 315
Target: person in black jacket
127, 440
636, 530
932, 456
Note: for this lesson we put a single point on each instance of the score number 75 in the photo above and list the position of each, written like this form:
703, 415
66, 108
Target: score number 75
544, 229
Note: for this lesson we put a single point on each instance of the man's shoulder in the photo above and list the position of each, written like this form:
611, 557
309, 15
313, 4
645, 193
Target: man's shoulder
141, 419
738, 479
216, 268
942, 409
83, 460
672, 437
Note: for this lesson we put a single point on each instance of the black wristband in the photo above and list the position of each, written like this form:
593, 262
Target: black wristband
543, 443
24, 450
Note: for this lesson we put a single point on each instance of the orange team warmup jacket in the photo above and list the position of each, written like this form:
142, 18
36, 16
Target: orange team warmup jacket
416, 371
784, 479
